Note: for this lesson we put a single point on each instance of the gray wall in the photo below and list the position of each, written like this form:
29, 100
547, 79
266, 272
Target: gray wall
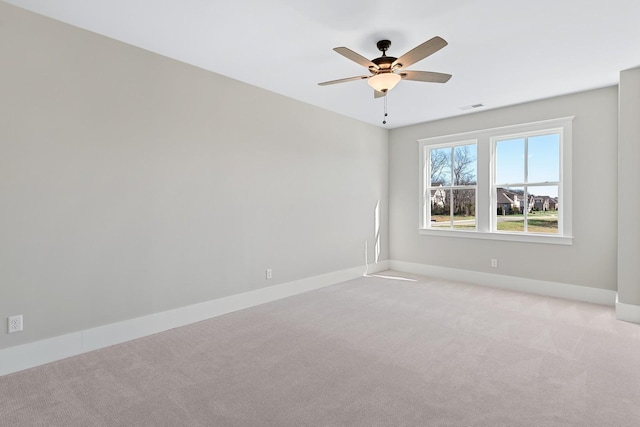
132, 184
590, 261
628, 188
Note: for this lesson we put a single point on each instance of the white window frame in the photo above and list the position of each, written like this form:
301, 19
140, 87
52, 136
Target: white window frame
427, 188
485, 205
495, 185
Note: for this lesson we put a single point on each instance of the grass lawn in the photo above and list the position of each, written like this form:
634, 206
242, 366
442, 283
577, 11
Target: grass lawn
465, 226
549, 225
447, 218
531, 214
539, 222
444, 221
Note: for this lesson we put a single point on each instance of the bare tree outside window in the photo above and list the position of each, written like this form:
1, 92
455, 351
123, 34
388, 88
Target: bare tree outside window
440, 161
464, 173
453, 171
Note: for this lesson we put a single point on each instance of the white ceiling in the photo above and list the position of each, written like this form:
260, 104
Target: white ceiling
500, 52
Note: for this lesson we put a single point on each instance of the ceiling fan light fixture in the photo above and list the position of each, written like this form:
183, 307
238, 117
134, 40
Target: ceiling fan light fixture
384, 82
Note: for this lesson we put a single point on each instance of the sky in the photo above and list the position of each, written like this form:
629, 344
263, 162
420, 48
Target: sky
544, 159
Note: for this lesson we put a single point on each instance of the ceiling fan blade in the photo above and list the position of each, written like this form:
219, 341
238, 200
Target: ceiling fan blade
425, 76
378, 94
348, 79
420, 52
355, 57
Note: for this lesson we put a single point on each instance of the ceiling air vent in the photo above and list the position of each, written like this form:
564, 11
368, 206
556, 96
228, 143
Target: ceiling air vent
471, 107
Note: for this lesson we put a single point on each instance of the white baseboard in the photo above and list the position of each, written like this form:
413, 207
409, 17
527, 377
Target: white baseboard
18, 358
627, 312
539, 287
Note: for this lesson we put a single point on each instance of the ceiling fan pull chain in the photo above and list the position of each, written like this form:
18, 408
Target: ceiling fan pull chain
384, 121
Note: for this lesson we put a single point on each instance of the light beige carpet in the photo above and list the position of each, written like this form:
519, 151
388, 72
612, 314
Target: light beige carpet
373, 351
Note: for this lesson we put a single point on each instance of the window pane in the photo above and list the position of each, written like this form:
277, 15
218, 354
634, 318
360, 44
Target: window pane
510, 161
544, 158
440, 208
538, 222
464, 209
440, 159
511, 202
465, 169
543, 217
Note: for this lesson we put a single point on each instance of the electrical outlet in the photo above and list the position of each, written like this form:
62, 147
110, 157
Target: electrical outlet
269, 273
15, 323
494, 263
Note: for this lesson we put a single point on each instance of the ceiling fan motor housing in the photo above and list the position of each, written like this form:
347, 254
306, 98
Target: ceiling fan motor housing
384, 62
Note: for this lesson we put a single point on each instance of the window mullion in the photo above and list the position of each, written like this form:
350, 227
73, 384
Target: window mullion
451, 203
426, 187
526, 187
484, 191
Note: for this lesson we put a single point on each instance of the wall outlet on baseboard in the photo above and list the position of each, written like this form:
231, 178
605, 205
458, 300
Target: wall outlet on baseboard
14, 323
494, 263
269, 273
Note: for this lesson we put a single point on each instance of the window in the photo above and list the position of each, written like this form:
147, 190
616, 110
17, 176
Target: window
510, 183
451, 186
527, 177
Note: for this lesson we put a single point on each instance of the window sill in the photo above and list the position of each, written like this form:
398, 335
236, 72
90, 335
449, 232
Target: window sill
510, 237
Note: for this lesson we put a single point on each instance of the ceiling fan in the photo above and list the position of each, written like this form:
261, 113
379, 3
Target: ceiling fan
387, 71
